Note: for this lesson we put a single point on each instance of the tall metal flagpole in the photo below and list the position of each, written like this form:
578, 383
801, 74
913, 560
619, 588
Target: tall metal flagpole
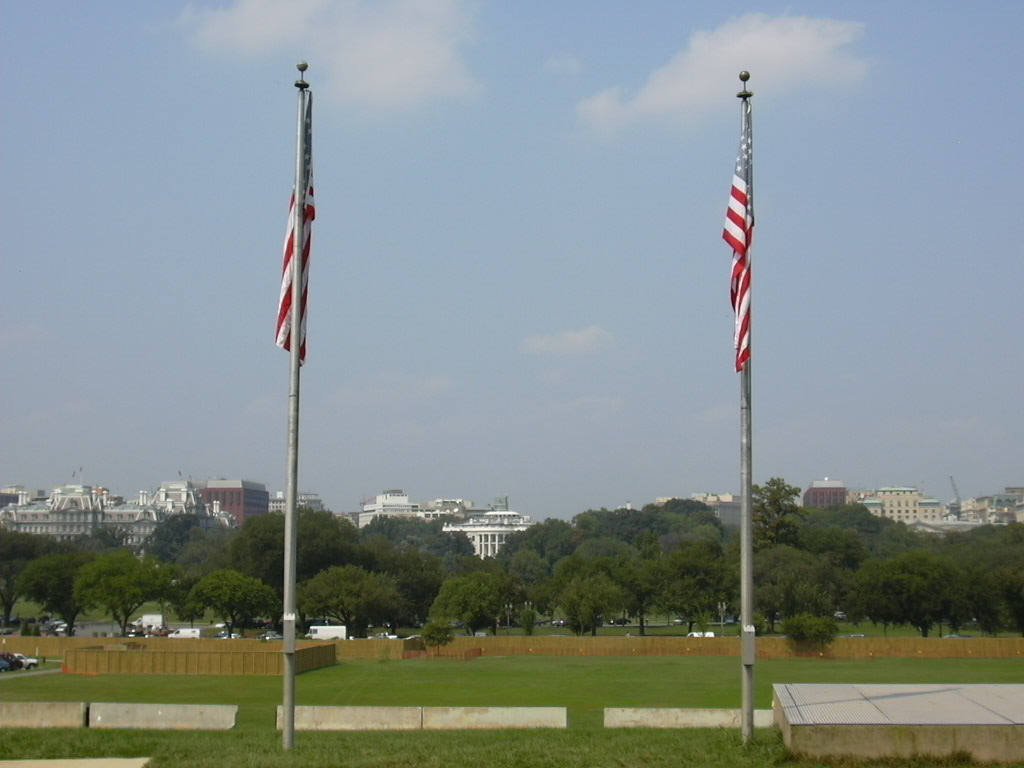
749, 652
291, 493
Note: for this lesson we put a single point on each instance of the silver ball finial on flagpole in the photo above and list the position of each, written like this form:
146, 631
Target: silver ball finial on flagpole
744, 94
302, 67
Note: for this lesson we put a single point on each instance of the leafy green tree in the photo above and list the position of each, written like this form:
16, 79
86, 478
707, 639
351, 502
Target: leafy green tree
552, 540
528, 618
790, 581
914, 588
974, 597
696, 580
624, 525
323, 541
475, 600
528, 568
585, 599
643, 582
427, 536
351, 596
17, 550
120, 583
436, 634
417, 575
1011, 588
102, 540
604, 547
183, 601
776, 513
897, 539
807, 629
875, 595
50, 581
235, 597
206, 551
170, 537
843, 547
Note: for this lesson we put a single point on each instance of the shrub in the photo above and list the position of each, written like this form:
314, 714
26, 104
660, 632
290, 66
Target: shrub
528, 618
806, 629
436, 634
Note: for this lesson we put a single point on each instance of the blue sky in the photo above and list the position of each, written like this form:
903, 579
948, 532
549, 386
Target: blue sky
518, 285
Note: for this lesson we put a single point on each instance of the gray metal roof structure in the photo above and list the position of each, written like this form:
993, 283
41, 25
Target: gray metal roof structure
867, 720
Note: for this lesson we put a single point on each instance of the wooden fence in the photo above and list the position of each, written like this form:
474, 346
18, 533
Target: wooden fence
767, 647
468, 647
224, 659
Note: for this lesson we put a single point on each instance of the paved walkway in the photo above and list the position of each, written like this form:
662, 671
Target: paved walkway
94, 762
18, 673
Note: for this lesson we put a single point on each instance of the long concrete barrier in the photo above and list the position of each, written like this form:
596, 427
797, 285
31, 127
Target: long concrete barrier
174, 717
462, 718
354, 718
43, 714
682, 718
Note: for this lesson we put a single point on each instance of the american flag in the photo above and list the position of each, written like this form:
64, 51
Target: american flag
738, 233
284, 306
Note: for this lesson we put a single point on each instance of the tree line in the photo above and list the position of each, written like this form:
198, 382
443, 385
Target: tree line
672, 560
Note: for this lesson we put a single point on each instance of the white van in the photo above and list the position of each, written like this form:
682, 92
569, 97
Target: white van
335, 632
186, 632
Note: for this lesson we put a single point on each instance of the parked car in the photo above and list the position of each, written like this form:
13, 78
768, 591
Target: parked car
11, 660
270, 637
5, 665
27, 662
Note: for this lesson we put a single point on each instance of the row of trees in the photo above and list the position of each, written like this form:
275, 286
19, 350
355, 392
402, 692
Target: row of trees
674, 559
119, 583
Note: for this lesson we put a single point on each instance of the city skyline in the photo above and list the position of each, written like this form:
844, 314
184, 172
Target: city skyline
518, 281
497, 502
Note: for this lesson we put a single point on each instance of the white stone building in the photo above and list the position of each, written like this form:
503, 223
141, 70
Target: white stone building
393, 503
489, 531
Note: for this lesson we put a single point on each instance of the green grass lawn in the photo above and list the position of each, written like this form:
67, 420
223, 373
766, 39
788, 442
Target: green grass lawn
585, 685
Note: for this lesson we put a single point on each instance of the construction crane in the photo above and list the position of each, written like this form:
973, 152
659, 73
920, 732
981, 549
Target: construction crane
958, 505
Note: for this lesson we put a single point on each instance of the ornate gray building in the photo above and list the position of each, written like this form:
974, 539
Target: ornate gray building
81, 510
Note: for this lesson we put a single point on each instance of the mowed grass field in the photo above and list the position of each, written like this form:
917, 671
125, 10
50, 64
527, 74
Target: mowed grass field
585, 685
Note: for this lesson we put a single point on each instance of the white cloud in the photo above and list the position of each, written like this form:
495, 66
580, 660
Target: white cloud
564, 64
571, 343
782, 54
377, 53
393, 390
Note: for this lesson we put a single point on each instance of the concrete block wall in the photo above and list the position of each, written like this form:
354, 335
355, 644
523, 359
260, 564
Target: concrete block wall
354, 718
425, 718
463, 718
620, 717
174, 717
43, 714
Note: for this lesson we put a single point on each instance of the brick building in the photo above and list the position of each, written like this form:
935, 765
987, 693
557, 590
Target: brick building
242, 499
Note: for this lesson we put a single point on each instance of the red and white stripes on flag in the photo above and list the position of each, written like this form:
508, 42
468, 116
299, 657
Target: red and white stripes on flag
738, 233
284, 306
